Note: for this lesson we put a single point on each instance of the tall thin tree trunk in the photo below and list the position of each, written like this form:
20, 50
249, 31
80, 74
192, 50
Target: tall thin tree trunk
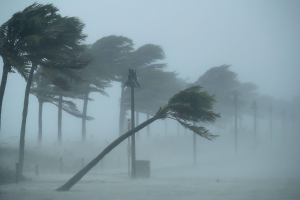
59, 119
110, 147
40, 122
3, 85
83, 132
122, 113
24, 118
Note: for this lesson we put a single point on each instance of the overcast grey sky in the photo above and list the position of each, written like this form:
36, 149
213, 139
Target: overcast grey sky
260, 39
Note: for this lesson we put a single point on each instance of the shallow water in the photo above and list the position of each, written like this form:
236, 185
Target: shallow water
164, 184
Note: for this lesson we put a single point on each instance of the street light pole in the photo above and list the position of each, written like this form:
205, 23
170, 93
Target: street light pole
132, 83
133, 174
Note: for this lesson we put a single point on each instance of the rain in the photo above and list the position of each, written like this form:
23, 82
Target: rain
149, 100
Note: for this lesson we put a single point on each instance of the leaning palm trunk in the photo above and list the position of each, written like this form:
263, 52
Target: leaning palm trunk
40, 122
110, 147
3, 85
188, 105
83, 133
24, 118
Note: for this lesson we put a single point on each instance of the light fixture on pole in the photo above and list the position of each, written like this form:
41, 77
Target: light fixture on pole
132, 82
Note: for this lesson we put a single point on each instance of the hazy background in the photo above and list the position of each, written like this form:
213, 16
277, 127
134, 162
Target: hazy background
260, 39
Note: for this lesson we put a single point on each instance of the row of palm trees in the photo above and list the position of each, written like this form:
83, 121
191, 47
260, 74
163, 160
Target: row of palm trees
47, 50
38, 38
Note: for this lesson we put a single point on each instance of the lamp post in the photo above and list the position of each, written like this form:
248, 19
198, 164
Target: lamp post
254, 107
132, 83
235, 102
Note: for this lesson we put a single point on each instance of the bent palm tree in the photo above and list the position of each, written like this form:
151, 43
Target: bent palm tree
189, 105
45, 92
11, 35
53, 43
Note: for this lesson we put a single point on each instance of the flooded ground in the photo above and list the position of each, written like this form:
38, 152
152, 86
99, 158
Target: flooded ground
164, 184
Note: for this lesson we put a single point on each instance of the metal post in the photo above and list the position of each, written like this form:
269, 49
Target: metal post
133, 170
132, 82
128, 150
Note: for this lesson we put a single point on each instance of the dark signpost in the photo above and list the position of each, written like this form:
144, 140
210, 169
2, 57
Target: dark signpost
132, 83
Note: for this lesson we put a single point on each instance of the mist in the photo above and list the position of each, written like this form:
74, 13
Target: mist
259, 41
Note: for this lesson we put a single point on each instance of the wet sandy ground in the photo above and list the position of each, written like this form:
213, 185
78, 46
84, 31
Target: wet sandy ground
164, 184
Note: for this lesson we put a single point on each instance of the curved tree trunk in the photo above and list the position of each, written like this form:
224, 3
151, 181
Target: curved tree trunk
83, 132
3, 85
24, 118
122, 113
59, 119
40, 122
110, 147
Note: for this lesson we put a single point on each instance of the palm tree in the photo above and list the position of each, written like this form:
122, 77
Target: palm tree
11, 36
157, 88
46, 92
53, 43
189, 105
89, 84
110, 61
144, 59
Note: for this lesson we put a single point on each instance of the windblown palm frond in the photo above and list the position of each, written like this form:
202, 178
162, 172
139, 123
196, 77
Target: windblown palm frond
191, 105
